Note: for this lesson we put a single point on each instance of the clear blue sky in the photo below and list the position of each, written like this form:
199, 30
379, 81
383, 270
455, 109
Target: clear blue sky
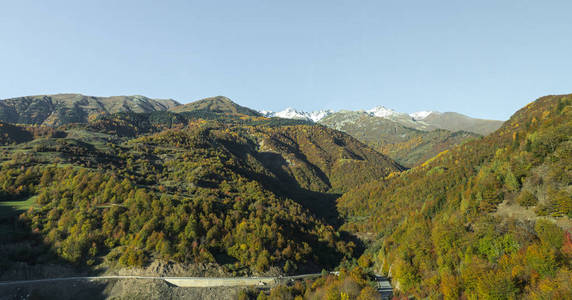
481, 58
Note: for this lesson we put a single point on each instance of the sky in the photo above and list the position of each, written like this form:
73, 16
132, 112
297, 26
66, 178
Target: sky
481, 58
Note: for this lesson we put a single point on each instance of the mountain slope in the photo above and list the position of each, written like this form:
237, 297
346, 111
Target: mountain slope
422, 120
14, 134
408, 146
467, 202
424, 145
455, 122
408, 139
248, 197
54, 110
398, 117
217, 104
322, 159
290, 113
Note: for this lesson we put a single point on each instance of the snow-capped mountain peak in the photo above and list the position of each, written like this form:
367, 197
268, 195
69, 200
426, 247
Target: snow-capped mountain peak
266, 113
291, 113
319, 114
383, 112
420, 115
288, 112
414, 119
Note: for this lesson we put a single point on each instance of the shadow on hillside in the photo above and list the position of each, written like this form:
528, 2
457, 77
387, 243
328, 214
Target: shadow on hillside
278, 178
25, 256
320, 204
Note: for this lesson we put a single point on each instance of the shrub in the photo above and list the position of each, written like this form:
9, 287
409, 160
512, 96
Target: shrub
550, 234
526, 199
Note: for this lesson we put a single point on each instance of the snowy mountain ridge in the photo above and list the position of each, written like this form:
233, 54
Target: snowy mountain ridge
315, 116
383, 112
420, 115
291, 113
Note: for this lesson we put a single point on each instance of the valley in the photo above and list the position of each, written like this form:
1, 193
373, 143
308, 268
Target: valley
409, 139
100, 185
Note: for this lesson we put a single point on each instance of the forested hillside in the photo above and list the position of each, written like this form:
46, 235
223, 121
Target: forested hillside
125, 189
422, 146
217, 183
408, 146
217, 104
439, 229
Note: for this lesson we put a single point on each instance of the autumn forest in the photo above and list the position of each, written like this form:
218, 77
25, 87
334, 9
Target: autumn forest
215, 184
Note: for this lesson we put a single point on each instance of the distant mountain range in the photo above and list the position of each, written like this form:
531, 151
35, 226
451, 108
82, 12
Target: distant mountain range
54, 110
422, 120
290, 113
405, 144
61, 109
410, 139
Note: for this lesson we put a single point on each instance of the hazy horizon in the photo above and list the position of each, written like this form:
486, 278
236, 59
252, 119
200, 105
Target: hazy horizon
484, 59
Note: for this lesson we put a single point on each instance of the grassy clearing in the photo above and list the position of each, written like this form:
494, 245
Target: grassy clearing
11, 208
